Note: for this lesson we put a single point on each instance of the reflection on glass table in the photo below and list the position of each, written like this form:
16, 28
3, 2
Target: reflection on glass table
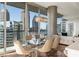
37, 42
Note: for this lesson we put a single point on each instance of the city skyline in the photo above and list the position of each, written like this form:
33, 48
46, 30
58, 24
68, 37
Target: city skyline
15, 15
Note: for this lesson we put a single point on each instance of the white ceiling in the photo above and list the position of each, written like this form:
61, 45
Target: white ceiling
70, 10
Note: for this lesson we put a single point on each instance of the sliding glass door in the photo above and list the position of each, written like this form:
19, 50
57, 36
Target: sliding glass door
14, 26
11, 25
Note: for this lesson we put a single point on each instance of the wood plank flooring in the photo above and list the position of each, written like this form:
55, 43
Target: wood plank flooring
60, 53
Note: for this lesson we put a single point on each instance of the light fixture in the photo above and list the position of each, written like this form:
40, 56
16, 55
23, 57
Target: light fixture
41, 19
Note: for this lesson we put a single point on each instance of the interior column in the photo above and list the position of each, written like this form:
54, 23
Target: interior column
52, 20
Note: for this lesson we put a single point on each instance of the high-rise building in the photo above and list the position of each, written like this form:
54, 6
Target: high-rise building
9, 30
63, 25
2, 13
9, 36
18, 29
58, 28
1, 36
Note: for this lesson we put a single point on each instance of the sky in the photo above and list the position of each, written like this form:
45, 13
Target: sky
15, 15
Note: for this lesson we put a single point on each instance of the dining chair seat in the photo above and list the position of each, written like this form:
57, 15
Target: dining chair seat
46, 47
20, 50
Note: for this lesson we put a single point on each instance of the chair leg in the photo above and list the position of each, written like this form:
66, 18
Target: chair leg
53, 53
42, 54
27, 55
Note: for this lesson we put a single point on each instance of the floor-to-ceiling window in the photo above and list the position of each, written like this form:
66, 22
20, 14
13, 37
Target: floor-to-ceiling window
59, 21
14, 27
37, 26
43, 25
1, 28
32, 22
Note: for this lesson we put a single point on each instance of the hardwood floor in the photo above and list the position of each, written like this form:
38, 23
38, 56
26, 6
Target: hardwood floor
58, 54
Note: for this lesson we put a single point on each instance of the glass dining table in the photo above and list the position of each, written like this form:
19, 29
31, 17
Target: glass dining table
34, 44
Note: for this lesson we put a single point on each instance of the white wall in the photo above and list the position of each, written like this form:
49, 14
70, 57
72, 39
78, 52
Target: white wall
76, 29
76, 26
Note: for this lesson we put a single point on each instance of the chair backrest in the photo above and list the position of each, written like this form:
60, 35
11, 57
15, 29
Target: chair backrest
56, 42
18, 47
48, 44
29, 37
37, 36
